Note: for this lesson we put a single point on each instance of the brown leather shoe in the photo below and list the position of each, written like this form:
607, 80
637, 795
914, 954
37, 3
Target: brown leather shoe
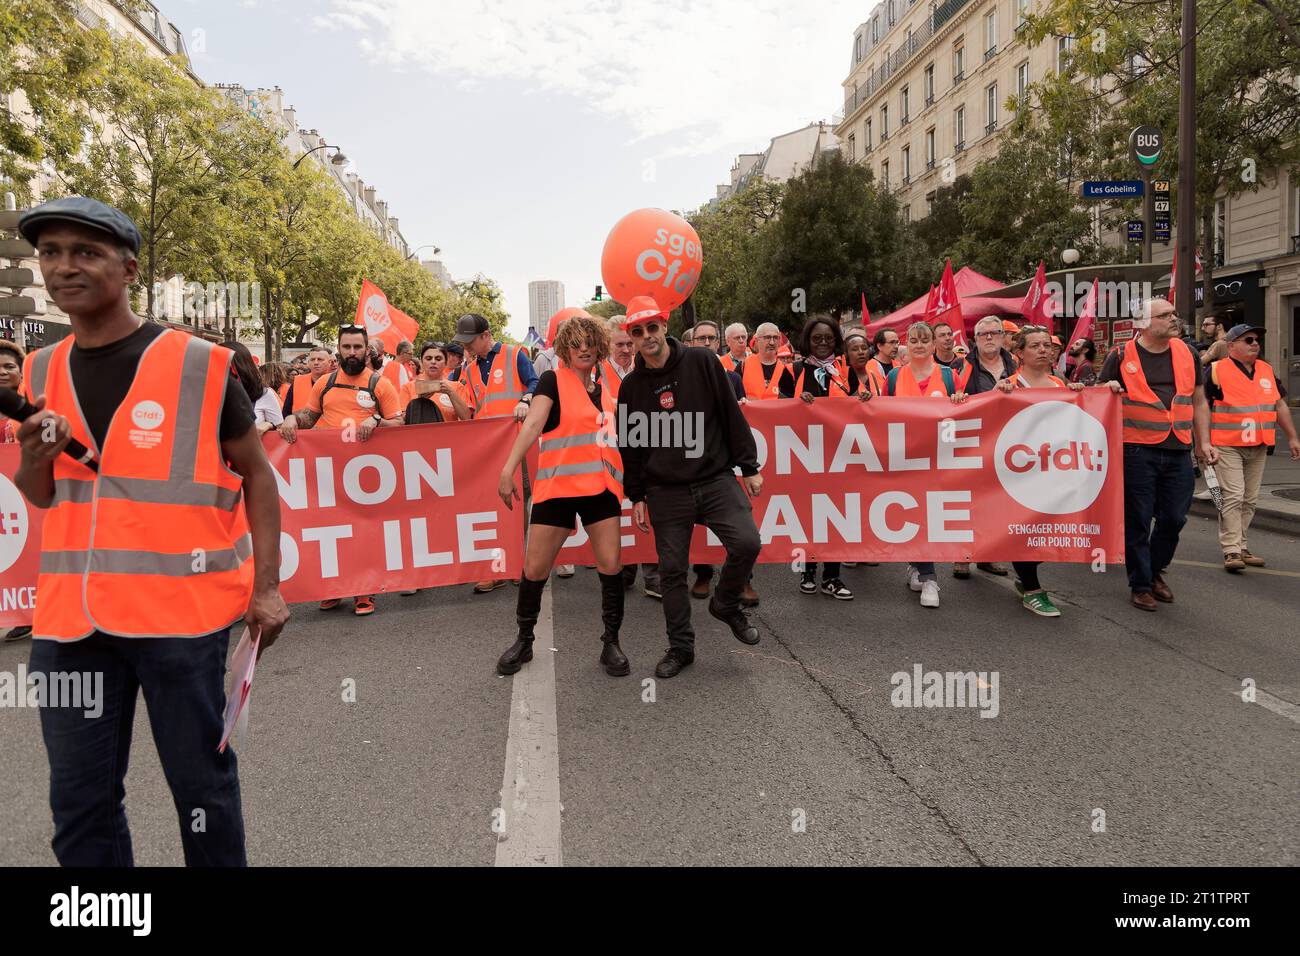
1234, 563
1143, 601
1251, 560
1160, 591
748, 597
700, 589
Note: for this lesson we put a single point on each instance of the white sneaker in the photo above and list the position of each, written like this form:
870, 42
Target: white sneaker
913, 579
930, 594
564, 570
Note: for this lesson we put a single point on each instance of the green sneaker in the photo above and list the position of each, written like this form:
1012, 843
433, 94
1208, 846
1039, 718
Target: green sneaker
1041, 604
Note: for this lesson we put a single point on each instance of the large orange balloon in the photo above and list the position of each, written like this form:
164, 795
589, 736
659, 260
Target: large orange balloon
652, 252
553, 326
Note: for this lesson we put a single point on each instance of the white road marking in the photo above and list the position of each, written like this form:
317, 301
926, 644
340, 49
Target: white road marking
530, 790
1278, 706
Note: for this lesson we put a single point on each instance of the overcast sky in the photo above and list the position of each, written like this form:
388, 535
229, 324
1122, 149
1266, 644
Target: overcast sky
514, 134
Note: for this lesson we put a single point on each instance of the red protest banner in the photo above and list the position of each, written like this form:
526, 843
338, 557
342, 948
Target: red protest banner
900, 479
413, 507
894, 479
20, 545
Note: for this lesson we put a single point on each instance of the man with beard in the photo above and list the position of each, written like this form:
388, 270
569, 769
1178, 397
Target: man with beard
353, 395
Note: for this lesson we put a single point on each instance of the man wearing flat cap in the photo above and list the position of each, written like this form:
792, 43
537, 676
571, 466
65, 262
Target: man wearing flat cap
151, 551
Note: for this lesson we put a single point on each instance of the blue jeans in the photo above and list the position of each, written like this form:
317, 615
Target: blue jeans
183, 680
1158, 485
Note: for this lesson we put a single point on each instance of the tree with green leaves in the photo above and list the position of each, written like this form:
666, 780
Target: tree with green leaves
729, 286
1124, 73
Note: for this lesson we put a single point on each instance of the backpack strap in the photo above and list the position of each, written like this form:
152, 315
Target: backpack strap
371, 387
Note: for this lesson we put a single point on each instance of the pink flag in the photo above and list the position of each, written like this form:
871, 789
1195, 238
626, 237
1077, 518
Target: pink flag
1034, 308
866, 316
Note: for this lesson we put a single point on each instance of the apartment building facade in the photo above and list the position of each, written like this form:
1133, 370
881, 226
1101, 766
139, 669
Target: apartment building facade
545, 298
786, 156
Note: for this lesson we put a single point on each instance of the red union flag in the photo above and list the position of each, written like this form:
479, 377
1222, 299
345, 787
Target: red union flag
1037, 307
383, 321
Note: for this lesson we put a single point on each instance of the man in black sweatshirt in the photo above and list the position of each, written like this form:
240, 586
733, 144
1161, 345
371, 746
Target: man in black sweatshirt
680, 435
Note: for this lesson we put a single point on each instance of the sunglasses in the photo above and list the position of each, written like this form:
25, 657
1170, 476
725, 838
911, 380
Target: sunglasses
637, 331
1250, 339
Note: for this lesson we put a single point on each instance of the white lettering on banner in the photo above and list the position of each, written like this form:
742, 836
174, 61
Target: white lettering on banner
329, 546
393, 545
878, 517
810, 455
847, 522
352, 479
781, 520
325, 482
855, 448
1051, 458
468, 535
13, 524
898, 460
423, 557
439, 478
938, 514
293, 493
288, 555
22, 599
947, 458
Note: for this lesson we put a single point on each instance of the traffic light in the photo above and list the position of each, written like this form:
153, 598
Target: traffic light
600, 293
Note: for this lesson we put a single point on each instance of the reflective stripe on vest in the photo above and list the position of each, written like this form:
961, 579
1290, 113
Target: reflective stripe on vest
156, 545
755, 388
573, 460
1146, 420
1244, 417
501, 393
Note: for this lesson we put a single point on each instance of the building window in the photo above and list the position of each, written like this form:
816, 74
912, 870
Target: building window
929, 84
929, 148
884, 173
892, 17
958, 62
991, 108
929, 204
1022, 11
904, 111
1295, 219
991, 34
875, 30
1022, 82
907, 164
884, 122
1063, 47
959, 127
866, 134
907, 213
857, 49
853, 148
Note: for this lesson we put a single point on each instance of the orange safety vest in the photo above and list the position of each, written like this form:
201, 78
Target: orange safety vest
1248, 407
1146, 420
1018, 381
755, 388
580, 456
156, 544
497, 397
879, 374
302, 386
610, 374
283, 391
839, 379
906, 385
397, 372
729, 363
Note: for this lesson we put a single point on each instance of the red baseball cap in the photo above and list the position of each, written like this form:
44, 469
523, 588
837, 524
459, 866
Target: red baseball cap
642, 309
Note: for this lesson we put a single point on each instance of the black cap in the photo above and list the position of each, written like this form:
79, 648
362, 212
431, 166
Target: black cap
456, 347
87, 212
469, 327
1237, 331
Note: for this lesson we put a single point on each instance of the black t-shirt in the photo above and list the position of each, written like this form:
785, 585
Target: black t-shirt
1158, 367
102, 376
785, 384
548, 385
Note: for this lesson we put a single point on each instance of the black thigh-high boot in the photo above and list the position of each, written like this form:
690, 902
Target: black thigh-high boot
526, 612
611, 614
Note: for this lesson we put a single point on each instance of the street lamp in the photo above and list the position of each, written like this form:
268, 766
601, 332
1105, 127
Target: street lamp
338, 159
1069, 256
436, 250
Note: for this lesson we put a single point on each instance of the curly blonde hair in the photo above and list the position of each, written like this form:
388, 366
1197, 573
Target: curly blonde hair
582, 328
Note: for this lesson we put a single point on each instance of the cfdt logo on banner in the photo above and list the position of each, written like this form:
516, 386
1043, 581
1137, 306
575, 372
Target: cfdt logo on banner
652, 252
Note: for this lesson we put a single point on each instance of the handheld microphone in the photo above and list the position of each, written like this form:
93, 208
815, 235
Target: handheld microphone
13, 405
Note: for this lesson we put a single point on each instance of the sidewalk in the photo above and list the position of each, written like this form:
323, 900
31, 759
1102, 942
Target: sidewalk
1275, 512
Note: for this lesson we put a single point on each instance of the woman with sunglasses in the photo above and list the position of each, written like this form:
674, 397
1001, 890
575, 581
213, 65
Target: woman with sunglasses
430, 397
579, 475
1034, 349
822, 375
923, 377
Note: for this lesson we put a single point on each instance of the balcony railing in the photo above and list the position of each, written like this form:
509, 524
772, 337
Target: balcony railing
919, 38
959, 146
990, 53
991, 127
904, 120
929, 165
884, 135
1295, 244
907, 178
929, 100
958, 77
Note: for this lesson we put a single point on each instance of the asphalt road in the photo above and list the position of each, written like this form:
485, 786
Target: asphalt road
785, 753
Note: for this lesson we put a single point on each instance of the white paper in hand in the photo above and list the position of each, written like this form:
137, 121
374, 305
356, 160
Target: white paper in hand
242, 666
